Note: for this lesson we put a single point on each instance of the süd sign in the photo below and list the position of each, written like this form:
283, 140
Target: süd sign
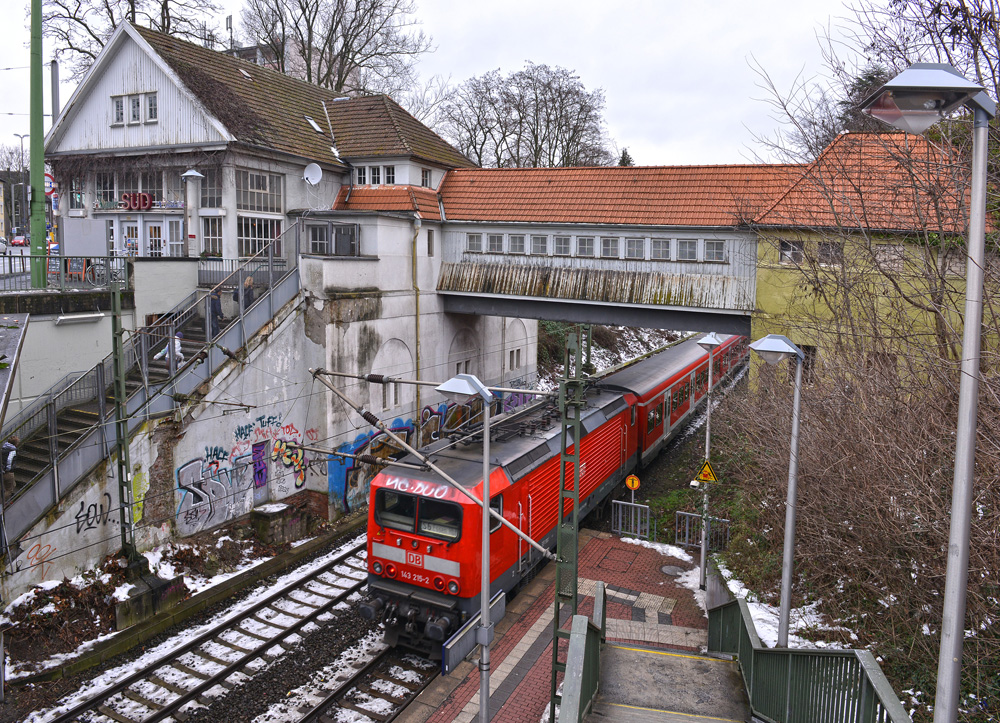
137, 201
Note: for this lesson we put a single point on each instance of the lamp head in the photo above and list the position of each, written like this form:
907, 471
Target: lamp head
709, 341
775, 347
463, 386
922, 95
191, 174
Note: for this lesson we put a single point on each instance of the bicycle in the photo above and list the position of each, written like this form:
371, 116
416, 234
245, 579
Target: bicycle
100, 273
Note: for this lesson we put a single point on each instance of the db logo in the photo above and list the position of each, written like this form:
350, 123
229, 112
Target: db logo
414, 559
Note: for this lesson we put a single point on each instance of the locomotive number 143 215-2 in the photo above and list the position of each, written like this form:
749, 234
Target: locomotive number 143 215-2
415, 577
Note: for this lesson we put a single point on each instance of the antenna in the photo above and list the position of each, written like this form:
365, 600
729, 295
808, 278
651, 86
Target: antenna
312, 174
229, 27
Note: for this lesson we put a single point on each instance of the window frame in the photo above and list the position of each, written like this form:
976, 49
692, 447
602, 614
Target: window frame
474, 248
890, 258
118, 110
360, 173
494, 243
633, 244
687, 243
791, 252
211, 238
134, 114
715, 248
515, 244
252, 244
375, 175
152, 110
584, 242
539, 241
609, 244
426, 179
562, 245
259, 191
211, 188
663, 244
824, 255
389, 174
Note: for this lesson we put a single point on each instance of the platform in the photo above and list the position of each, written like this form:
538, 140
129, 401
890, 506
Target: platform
651, 668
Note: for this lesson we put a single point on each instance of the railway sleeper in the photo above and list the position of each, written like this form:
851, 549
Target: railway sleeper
348, 705
314, 606
396, 681
190, 671
232, 646
384, 695
286, 612
313, 591
142, 700
172, 687
210, 658
270, 623
114, 715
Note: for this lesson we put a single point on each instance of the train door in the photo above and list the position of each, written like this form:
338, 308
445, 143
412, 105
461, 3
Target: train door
525, 552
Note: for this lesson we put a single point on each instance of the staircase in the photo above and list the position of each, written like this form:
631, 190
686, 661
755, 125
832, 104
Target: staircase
69, 430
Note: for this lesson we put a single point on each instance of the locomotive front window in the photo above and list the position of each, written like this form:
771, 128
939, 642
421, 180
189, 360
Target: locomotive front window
440, 519
395, 510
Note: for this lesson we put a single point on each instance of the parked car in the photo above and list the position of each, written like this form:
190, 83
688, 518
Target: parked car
3, 247
20, 240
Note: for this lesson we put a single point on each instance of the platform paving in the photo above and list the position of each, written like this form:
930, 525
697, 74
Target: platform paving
653, 622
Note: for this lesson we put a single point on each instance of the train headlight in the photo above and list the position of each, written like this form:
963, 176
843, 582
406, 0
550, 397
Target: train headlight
439, 583
390, 570
377, 567
453, 587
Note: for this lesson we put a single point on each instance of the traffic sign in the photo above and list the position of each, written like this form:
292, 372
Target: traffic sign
632, 482
706, 473
50, 184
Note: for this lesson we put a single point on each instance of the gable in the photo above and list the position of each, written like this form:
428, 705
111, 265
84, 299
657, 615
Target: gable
125, 69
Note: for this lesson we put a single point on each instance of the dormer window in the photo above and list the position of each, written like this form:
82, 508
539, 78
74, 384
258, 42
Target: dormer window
390, 174
425, 177
362, 176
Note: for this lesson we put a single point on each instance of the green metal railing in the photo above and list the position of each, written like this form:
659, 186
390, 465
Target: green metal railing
583, 663
803, 685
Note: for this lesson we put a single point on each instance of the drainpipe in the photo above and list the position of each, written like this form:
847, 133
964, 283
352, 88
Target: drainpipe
417, 223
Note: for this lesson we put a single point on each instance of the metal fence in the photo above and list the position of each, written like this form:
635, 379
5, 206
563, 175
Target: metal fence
64, 272
631, 518
583, 661
687, 531
803, 685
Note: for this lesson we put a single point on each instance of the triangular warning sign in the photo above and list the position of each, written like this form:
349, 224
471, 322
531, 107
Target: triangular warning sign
707, 474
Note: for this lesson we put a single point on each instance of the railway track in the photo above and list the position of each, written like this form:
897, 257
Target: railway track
377, 692
229, 653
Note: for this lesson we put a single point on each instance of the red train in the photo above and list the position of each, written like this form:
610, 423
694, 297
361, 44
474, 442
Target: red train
424, 536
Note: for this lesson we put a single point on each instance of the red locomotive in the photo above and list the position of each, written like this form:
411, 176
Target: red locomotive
424, 536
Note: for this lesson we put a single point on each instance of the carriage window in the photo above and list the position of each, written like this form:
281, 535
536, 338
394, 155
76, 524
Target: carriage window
496, 504
440, 519
395, 510
650, 421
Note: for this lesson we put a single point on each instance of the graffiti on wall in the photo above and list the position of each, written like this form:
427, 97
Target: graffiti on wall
292, 457
349, 478
94, 515
212, 494
140, 485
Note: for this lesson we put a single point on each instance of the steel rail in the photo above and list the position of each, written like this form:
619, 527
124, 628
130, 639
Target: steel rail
101, 697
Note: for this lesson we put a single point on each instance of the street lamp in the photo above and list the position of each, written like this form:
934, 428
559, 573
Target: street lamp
772, 349
24, 192
914, 100
461, 388
708, 342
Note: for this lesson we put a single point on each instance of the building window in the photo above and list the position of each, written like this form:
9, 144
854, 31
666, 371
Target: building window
211, 188
258, 192
211, 236
376, 175
390, 174
152, 183
128, 183
635, 248
715, 251
516, 244
687, 250
585, 246
254, 234
430, 242
540, 245
474, 243
361, 175
609, 248
831, 253
808, 363
425, 177
790, 252
319, 240
494, 243
151, 110
117, 110
105, 187
660, 249
560, 245
889, 257
134, 108
76, 200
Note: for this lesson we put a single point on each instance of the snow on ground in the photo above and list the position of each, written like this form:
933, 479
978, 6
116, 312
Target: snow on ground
314, 691
661, 547
103, 682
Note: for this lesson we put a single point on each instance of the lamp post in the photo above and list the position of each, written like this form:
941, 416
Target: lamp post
913, 101
463, 387
708, 342
772, 349
24, 192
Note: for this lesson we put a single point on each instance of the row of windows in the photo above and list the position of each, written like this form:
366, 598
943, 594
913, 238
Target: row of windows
607, 247
258, 192
378, 175
889, 257
109, 188
140, 108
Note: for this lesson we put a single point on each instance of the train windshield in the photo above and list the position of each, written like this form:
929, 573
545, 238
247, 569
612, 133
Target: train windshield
410, 513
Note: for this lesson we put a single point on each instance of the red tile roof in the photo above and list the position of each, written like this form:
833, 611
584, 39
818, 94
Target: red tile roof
651, 195
876, 181
404, 199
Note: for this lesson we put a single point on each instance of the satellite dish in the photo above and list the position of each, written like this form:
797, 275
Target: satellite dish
313, 174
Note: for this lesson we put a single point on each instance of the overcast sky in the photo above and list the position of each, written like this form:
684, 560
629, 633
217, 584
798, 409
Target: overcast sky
677, 75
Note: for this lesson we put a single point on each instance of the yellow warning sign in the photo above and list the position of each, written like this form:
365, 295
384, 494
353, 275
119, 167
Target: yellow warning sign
632, 482
707, 474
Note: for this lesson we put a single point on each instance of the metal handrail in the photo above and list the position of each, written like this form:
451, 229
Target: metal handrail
807, 685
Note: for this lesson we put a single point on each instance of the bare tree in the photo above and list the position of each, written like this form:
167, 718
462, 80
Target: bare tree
537, 116
80, 28
350, 46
